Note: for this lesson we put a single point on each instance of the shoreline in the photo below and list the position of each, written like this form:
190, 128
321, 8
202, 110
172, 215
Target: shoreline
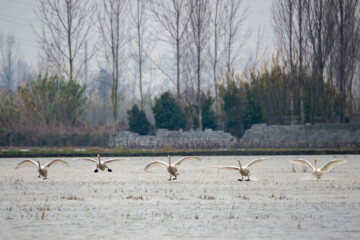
116, 152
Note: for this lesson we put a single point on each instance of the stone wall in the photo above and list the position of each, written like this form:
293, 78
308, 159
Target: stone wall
300, 136
165, 139
258, 136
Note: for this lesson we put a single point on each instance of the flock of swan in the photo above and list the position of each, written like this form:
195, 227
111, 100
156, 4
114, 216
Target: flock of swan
173, 171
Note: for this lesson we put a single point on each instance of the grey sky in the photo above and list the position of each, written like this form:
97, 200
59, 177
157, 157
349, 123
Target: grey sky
17, 17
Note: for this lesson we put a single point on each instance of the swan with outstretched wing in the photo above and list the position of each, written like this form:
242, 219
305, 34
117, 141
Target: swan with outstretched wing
243, 169
171, 167
42, 169
100, 164
318, 172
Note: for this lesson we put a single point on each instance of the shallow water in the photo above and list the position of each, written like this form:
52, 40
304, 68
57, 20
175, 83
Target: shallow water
281, 201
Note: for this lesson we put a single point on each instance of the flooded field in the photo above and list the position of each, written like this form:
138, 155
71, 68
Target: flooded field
282, 200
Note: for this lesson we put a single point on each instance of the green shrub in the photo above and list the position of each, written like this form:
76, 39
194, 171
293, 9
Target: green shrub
168, 113
137, 121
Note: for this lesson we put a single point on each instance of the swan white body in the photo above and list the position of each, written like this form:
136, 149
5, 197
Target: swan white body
171, 167
243, 169
318, 172
102, 165
41, 169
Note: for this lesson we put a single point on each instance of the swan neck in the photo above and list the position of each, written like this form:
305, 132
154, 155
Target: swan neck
169, 161
315, 163
240, 164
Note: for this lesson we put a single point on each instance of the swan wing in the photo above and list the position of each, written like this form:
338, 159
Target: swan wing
87, 159
256, 161
115, 160
227, 167
186, 158
304, 162
54, 161
152, 164
331, 164
26, 161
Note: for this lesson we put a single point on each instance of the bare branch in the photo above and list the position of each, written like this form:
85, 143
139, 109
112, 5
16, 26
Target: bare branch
64, 32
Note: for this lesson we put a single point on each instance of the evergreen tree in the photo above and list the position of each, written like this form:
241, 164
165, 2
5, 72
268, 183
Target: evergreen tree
168, 113
253, 112
233, 107
137, 121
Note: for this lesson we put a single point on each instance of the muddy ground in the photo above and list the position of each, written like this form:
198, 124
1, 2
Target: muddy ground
282, 201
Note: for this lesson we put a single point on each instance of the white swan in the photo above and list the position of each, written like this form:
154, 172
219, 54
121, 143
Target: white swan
318, 172
42, 169
101, 164
171, 167
244, 170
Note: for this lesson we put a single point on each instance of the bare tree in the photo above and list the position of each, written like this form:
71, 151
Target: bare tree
346, 51
139, 19
320, 20
64, 31
7, 61
291, 38
171, 16
111, 17
214, 49
300, 43
199, 11
261, 48
189, 78
283, 15
235, 13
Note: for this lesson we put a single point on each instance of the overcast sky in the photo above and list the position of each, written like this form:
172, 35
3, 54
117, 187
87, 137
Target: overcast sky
17, 17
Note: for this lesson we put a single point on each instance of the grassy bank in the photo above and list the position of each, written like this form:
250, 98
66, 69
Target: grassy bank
92, 151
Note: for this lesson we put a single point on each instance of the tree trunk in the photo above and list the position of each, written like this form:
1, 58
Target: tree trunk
198, 86
140, 56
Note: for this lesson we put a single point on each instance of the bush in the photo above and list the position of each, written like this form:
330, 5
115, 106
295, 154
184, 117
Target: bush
48, 99
137, 121
9, 110
75, 137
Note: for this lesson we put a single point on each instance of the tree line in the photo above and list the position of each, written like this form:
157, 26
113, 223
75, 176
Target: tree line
313, 77
320, 39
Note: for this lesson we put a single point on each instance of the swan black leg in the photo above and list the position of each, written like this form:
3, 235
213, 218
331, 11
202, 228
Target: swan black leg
96, 170
240, 179
169, 178
109, 170
248, 179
